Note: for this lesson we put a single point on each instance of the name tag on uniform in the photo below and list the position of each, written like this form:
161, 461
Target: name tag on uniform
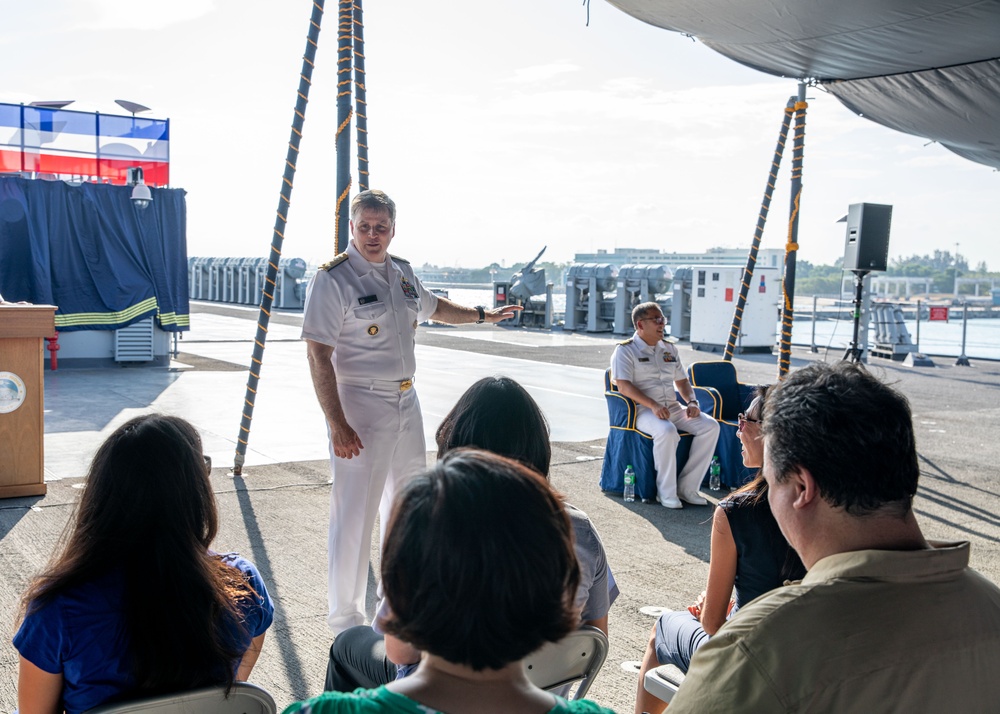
367, 299
644, 359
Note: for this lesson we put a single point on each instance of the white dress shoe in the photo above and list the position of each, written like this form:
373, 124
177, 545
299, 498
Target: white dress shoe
694, 499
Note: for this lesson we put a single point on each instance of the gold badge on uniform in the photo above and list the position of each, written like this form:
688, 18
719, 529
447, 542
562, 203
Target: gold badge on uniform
373, 330
414, 324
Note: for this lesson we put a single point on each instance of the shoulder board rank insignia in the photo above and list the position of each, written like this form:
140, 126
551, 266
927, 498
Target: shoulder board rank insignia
341, 257
398, 259
627, 342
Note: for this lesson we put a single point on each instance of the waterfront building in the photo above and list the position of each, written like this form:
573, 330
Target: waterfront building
766, 257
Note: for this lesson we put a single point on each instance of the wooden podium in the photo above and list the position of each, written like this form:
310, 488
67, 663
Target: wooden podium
22, 398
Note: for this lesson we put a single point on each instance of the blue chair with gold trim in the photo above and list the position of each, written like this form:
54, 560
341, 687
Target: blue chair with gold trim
628, 445
731, 397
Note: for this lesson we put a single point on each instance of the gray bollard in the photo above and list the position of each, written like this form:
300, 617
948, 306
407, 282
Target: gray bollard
812, 343
962, 360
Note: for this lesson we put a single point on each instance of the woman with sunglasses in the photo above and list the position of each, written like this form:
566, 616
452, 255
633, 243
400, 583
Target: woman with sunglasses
135, 604
749, 555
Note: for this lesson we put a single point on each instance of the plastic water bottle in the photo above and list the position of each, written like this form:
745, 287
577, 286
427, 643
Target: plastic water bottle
714, 481
629, 494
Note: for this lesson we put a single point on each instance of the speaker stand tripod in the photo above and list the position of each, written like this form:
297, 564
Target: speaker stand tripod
854, 353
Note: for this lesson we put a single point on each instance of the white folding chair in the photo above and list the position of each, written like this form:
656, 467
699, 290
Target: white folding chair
244, 698
663, 682
578, 657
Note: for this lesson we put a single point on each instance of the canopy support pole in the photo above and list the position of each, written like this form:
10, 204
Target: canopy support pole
360, 96
345, 52
788, 282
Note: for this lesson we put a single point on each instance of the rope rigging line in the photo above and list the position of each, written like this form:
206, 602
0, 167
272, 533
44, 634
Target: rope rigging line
792, 245
284, 200
772, 179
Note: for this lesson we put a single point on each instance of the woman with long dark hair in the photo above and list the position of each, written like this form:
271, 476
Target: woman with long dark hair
134, 603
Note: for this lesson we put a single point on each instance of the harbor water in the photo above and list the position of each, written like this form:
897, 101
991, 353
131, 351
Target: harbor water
936, 338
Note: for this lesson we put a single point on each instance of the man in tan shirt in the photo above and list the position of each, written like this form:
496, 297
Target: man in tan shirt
884, 620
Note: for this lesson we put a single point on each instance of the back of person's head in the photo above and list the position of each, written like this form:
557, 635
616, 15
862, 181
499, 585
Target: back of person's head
148, 481
478, 564
498, 414
851, 431
148, 512
375, 200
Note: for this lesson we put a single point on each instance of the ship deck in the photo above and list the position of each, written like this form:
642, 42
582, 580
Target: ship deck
276, 512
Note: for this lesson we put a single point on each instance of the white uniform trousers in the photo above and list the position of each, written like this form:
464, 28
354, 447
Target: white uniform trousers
391, 428
705, 433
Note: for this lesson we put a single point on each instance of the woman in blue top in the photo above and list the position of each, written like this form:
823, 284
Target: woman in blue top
135, 603
479, 571
749, 555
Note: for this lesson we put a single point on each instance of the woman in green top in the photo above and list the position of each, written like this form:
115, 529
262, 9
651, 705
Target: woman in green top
479, 571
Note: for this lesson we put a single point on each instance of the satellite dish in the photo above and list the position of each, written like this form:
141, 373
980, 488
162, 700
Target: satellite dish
132, 107
52, 105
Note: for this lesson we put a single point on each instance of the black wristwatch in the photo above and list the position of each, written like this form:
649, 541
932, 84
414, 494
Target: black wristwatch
482, 314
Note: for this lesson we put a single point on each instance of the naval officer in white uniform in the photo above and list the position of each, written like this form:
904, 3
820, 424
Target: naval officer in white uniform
647, 369
361, 315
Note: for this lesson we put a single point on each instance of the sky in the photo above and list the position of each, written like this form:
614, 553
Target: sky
498, 128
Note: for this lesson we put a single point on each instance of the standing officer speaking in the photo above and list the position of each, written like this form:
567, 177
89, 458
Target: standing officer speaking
361, 315
646, 369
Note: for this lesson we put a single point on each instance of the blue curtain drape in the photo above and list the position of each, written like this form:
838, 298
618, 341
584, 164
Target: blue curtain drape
87, 250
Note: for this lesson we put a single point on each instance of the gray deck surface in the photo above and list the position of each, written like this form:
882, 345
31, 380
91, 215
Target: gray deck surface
276, 513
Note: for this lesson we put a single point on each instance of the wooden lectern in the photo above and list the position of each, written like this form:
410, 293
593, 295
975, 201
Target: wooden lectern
22, 400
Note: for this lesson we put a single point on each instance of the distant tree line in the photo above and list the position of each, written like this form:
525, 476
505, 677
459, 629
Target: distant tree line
941, 267
813, 279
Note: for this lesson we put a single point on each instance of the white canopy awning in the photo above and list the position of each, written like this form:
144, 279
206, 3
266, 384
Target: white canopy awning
925, 67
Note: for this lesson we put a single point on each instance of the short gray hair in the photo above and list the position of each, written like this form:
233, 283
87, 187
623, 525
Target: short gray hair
376, 200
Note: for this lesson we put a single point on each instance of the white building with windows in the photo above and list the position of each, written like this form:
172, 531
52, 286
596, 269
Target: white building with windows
766, 257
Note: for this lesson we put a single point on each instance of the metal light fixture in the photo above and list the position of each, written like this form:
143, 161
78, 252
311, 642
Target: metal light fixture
133, 107
53, 104
141, 195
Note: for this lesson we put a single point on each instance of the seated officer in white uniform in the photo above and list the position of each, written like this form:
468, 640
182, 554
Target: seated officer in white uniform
361, 315
647, 369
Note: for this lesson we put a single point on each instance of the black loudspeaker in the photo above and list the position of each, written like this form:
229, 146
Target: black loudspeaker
867, 243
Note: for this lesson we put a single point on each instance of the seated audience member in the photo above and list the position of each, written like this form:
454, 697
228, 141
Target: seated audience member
496, 414
749, 554
479, 570
135, 603
883, 620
